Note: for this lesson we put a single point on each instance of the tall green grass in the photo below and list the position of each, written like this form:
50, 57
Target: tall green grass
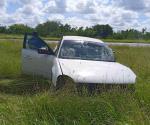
10, 36
28, 100
9, 58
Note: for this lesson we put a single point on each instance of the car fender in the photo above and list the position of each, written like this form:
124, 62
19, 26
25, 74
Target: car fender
56, 71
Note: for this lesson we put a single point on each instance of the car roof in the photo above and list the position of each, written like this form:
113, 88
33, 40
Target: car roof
81, 38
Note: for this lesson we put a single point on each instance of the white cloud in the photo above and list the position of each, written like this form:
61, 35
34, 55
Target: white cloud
2, 3
116, 17
83, 7
3, 14
121, 14
56, 17
28, 12
135, 5
77, 22
55, 6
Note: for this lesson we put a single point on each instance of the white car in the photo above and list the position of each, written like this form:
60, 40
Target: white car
83, 59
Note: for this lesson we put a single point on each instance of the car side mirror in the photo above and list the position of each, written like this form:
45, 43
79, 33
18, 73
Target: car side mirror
43, 51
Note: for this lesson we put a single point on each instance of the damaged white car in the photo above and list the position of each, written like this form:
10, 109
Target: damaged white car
83, 59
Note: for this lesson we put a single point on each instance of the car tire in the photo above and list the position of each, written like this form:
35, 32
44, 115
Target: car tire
60, 82
65, 84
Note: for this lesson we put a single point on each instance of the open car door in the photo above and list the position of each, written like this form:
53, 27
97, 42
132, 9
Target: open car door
37, 56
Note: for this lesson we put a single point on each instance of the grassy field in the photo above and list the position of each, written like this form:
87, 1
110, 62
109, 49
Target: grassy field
26, 100
20, 37
126, 41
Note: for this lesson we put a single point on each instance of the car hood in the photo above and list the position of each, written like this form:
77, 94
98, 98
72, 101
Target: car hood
87, 71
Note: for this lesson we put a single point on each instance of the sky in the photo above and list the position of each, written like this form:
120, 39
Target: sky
120, 14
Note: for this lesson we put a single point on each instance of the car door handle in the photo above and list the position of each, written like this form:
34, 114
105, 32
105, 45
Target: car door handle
28, 57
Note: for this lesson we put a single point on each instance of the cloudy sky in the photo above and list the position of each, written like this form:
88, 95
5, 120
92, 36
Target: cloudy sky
120, 14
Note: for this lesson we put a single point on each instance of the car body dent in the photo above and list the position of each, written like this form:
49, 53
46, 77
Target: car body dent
86, 71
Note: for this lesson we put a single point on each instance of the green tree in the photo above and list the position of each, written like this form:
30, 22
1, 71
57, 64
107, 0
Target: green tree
103, 31
19, 29
3, 29
49, 28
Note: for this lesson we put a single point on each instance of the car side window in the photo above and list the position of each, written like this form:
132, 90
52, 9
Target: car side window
33, 42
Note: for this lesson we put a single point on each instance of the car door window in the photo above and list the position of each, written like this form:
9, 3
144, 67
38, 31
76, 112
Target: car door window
34, 43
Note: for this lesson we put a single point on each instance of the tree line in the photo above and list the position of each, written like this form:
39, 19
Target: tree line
57, 29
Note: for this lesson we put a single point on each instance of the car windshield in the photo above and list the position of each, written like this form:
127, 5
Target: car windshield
86, 50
